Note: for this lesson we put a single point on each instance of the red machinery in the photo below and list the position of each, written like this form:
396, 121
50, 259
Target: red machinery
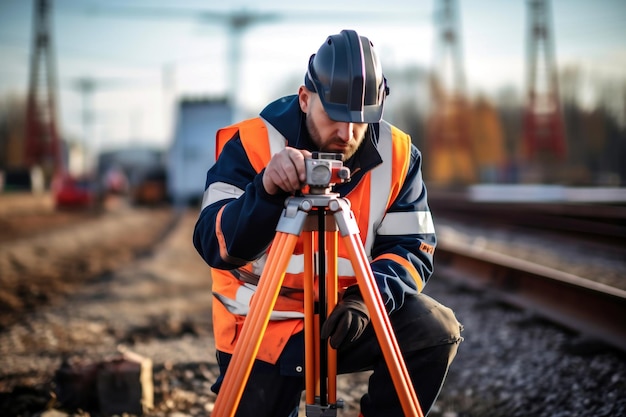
70, 191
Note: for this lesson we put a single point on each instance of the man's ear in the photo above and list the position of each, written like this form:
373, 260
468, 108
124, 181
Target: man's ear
304, 98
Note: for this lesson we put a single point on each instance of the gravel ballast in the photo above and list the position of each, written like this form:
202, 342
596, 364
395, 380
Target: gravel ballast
510, 364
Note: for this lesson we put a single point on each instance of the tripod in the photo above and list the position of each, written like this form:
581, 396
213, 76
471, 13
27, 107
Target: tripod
302, 216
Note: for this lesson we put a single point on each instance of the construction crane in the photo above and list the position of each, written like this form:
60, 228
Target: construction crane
42, 145
448, 131
543, 130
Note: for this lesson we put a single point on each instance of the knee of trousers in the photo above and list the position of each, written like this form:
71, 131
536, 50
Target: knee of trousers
423, 322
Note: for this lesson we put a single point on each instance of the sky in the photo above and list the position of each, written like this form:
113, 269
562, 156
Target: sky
141, 62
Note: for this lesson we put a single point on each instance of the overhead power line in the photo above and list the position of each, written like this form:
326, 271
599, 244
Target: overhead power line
237, 22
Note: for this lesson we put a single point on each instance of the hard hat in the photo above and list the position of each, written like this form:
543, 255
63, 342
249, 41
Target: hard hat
348, 77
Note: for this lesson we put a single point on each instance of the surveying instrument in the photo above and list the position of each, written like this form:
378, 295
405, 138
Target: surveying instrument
327, 213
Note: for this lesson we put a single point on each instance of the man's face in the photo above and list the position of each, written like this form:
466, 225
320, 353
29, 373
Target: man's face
327, 134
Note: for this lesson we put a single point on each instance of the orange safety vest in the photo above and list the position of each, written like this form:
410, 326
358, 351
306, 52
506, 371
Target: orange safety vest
260, 141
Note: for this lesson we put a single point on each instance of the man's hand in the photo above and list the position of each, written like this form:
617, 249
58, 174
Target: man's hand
286, 171
348, 319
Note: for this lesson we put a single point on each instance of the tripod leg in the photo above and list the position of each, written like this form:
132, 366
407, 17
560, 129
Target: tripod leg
311, 376
331, 299
254, 326
382, 326
321, 359
311, 325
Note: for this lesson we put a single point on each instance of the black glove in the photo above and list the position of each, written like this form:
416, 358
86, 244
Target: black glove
348, 319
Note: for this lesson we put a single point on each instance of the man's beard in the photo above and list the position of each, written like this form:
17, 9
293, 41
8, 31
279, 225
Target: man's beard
347, 152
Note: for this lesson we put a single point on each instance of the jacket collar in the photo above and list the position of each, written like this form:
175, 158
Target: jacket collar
285, 115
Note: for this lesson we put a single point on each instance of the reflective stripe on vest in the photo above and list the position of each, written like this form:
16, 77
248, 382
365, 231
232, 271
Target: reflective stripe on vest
234, 295
381, 181
276, 142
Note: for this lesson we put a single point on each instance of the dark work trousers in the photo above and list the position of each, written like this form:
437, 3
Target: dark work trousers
428, 335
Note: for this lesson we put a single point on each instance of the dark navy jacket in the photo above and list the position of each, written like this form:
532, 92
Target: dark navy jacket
249, 221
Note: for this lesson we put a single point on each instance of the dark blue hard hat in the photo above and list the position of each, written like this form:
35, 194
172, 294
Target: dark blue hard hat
348, 77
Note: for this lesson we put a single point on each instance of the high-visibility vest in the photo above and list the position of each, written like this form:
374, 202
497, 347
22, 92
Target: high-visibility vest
260, 141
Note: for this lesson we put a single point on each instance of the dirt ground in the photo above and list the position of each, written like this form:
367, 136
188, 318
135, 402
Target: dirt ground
80, 287
47, 253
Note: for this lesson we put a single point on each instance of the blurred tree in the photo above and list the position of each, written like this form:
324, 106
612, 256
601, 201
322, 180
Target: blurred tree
410, 118
509, 105
12, 131
408, 101
595, 118
487, 141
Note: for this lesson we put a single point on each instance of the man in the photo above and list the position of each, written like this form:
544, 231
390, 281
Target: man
338, 109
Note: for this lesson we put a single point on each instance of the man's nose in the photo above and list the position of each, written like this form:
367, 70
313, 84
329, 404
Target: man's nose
345, 131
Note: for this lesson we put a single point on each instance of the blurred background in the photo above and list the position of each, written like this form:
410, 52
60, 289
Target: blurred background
125, 96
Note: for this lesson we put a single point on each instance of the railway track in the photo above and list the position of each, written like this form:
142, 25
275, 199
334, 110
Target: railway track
580, 303
593, 221
594, 310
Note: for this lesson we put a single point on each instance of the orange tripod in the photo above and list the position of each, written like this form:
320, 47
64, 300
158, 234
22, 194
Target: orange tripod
304, 215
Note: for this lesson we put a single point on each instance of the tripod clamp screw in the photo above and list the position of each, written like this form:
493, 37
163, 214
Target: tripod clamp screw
317, 410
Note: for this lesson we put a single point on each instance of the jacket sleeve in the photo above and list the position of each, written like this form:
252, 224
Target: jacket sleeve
405, 242
238, 218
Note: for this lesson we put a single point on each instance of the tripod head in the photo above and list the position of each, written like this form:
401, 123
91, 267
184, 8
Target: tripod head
323, 170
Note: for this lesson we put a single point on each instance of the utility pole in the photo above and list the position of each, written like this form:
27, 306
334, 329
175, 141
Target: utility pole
238, 22
42, 140
544, 133
86, 87
448, 50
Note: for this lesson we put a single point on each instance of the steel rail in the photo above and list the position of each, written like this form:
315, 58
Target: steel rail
592, 309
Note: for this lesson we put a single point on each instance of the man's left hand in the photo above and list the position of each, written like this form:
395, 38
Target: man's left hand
348, 319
